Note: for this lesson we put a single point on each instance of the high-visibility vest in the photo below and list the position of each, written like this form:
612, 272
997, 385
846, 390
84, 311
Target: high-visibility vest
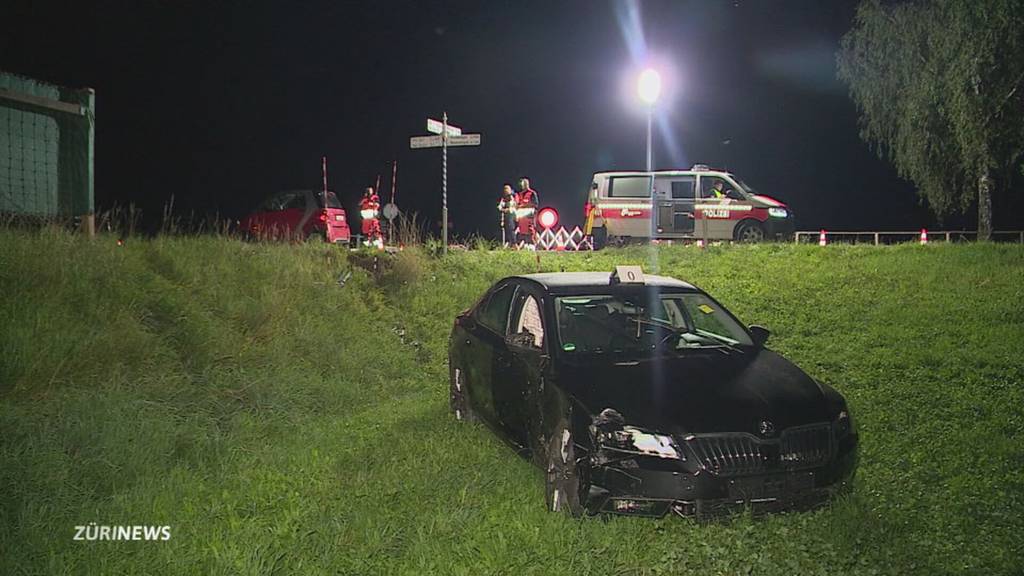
368, 207
525, 212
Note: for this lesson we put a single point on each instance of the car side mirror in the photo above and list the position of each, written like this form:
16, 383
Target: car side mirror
759, 334
467, 321
521, 340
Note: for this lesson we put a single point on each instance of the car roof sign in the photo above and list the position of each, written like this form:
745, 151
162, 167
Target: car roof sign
627, 275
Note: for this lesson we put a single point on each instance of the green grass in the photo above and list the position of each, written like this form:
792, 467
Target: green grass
280, 423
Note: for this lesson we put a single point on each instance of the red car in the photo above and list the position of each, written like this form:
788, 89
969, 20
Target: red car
299, 214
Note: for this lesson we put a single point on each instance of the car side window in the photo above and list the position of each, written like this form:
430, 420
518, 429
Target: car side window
270, 204
494, 312
530, 320
295, 201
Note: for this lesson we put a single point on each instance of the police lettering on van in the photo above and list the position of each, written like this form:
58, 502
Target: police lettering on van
699, 203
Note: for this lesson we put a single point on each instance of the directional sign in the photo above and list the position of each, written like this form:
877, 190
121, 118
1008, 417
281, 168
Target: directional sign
425, 142
452, 136
436, 126
464, 140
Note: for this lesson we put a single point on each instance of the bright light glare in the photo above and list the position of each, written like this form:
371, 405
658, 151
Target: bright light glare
649, 86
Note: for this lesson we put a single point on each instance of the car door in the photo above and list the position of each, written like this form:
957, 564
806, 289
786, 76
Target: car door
259, 222
520, 365
290, 218
715, 216
675, 200
483, 337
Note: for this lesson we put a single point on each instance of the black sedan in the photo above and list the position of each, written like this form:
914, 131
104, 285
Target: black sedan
643, 395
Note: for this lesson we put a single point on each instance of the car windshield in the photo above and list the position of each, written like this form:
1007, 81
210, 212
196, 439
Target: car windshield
645, 322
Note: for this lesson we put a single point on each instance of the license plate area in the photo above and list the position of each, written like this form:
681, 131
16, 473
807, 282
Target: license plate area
774, 486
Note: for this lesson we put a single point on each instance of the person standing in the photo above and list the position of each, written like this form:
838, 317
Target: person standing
369, 209
507, 215
526, 211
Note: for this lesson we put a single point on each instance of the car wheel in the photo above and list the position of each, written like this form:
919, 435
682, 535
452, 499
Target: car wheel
600, 236
566, 484
316, 235
458, 396
750, 231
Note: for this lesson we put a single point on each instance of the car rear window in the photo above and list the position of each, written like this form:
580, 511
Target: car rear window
332, 199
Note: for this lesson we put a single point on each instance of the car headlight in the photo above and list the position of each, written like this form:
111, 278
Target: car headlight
778, 212
843, 424
633, 439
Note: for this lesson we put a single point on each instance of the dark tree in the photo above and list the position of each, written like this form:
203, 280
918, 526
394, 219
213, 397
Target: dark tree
939, 87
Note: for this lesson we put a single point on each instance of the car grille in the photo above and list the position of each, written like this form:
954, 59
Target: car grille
737, 454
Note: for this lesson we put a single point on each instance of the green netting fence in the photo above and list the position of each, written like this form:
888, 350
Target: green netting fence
46, 149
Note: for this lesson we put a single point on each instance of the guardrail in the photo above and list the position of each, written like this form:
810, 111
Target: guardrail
893, 237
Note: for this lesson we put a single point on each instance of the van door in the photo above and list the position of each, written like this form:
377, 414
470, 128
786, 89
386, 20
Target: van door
675, 199
719, 214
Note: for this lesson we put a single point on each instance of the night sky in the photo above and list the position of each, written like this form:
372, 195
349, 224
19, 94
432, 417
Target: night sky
223, 103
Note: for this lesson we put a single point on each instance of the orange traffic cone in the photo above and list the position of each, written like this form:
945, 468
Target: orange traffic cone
924, 236
821, 239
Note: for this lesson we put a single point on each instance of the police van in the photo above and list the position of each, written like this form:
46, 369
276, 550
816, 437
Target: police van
699, 203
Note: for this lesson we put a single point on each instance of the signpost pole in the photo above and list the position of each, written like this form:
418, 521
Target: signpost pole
445, 135
391, 222
444, 183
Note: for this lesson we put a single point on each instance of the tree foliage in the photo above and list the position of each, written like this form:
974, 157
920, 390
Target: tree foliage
940, 88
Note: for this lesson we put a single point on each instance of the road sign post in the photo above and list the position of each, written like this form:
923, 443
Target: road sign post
446, 135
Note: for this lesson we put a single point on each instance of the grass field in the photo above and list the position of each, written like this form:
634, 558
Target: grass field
279, 423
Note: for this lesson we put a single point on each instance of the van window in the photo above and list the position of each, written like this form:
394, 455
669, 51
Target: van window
683, 189
708, 182
629, 187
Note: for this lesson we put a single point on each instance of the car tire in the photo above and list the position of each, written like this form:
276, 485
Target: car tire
600, 236
566, 484
316, 235
750, 231
458, 396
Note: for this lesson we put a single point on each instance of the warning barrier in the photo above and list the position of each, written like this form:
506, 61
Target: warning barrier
564, 240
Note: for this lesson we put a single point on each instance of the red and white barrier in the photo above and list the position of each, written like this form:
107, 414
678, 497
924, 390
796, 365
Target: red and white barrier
562, 240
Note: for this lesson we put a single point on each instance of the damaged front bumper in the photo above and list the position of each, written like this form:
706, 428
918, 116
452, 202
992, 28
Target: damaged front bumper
654, 487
